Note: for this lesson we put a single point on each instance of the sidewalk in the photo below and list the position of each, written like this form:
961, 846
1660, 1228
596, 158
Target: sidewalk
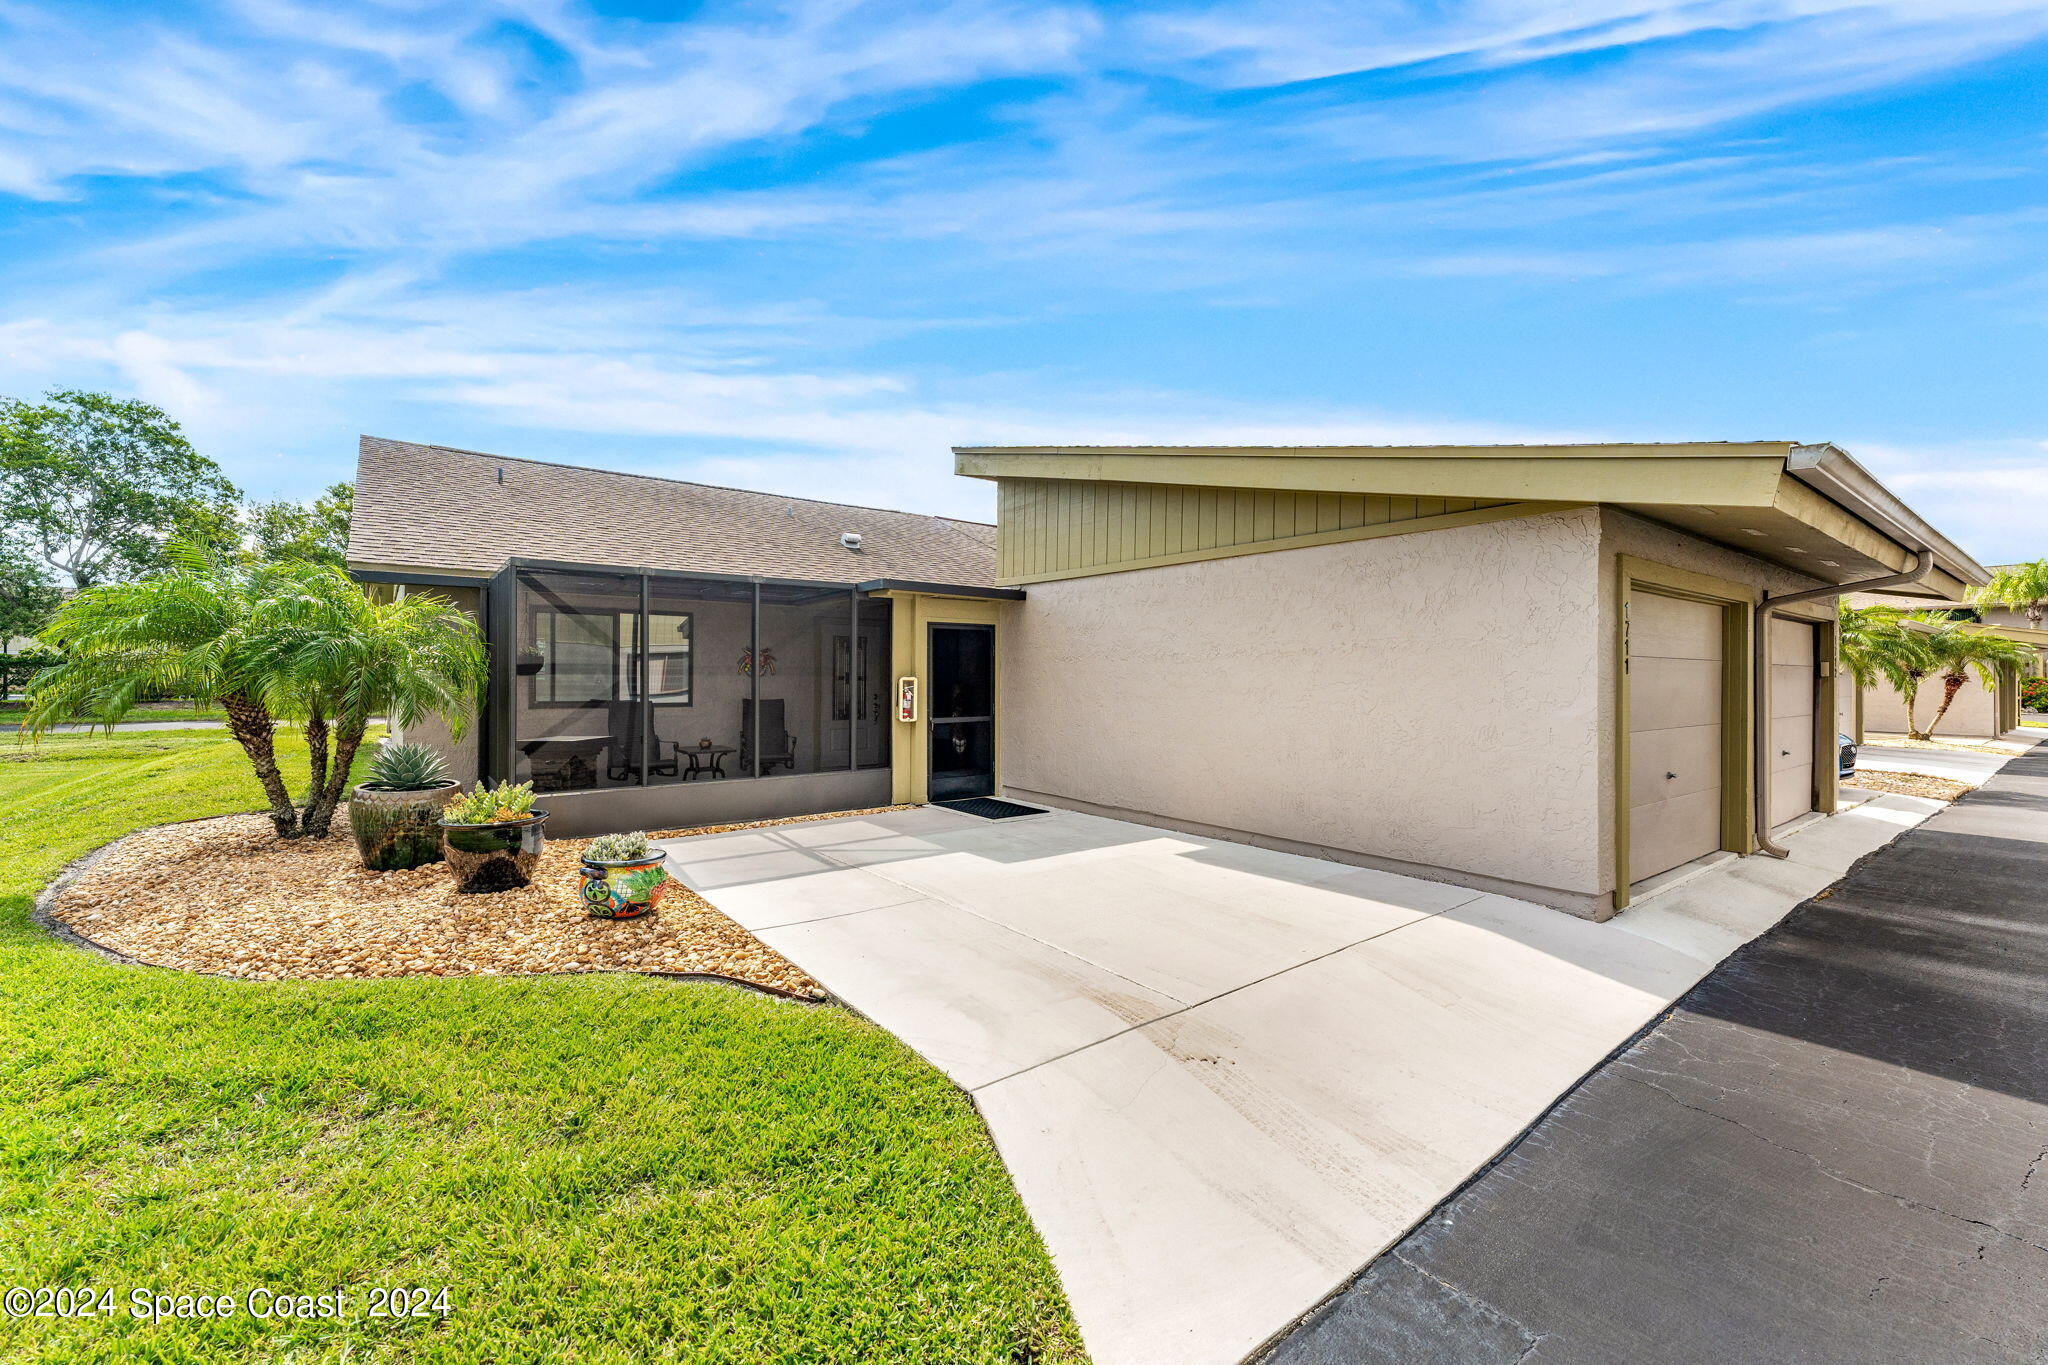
1834, 1149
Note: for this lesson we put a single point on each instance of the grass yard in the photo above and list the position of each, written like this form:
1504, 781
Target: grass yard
12, 710
595, 1168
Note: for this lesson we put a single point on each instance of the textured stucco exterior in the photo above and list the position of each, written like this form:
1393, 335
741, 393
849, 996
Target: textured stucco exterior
1419, 700
1973, 716
1623, 533
462, 754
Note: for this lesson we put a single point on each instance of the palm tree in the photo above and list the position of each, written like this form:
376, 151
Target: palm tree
1870, 635
1878, 644
1957, 649
345, 658
2018, 587
191, 631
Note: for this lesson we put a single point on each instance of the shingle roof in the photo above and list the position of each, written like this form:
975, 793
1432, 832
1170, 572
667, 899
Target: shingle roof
444, 510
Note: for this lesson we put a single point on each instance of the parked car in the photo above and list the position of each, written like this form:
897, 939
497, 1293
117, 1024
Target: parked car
1848, 757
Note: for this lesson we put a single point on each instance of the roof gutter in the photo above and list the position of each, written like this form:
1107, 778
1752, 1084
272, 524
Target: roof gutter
1760, 669
1830, 471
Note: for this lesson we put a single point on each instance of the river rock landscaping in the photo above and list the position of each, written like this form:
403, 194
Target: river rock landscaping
227, 896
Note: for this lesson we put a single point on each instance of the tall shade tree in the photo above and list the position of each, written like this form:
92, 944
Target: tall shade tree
2018, 587
27, 594
1956, 650
96, 486
315, 531
194, 630
347, 658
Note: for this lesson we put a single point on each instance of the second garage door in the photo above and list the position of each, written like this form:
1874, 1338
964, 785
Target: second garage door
1792, 738
1675, 663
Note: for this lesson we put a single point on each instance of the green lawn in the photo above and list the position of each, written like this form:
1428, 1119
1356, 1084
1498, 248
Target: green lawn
596, 1168
11, 711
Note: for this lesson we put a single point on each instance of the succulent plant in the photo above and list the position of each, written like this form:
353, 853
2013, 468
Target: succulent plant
617, 848
490, 805
407, 768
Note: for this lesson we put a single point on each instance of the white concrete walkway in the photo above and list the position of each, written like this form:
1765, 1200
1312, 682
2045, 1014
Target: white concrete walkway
1224, 1078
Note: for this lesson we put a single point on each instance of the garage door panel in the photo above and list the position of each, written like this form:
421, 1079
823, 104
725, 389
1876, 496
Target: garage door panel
1676, 762
1672, 628
1793, 723
1667, 693
1675, 732
1792, 690
1665, 834
1791, 792
1791, 640
1791, 742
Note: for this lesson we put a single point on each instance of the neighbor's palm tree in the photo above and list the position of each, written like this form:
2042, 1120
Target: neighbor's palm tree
2018, 587
1957, 650
191, 631
346, 658
1870, 637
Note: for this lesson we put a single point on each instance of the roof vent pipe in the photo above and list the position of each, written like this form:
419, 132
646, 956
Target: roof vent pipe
1760, 670
850, 539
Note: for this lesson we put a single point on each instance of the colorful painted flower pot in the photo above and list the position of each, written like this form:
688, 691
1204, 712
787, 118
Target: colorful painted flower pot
496, 857
624, 890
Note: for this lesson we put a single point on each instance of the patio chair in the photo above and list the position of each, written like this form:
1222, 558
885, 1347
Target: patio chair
625, 746
778, 745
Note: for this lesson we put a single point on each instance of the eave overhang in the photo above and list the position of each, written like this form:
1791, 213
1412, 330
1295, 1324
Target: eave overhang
1809, 508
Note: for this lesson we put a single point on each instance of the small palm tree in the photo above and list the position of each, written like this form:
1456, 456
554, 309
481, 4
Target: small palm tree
190, 631
1956, 650
2018, 587
1870, 635
345, 658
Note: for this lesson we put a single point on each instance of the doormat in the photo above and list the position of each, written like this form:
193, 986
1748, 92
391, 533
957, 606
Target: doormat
988, 808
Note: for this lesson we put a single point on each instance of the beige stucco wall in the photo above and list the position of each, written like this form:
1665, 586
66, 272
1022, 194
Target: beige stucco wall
1973, 716
433, 731
1418, 700
1622, 533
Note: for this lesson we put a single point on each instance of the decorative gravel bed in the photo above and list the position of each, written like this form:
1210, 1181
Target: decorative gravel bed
1909, 784
227, 896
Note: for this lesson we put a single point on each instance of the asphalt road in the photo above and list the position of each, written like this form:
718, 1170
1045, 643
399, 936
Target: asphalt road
1833, 1151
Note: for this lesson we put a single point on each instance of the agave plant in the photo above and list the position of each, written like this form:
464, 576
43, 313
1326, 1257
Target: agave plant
406, 768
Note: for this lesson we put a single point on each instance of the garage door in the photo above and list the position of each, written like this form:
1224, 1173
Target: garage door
1791, 720
1674, 732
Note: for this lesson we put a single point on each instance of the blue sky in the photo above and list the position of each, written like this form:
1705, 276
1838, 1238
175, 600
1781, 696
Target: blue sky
808, 247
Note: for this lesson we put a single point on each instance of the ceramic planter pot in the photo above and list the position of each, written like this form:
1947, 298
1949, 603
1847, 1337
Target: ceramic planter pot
398, 829
624, 890
494, 857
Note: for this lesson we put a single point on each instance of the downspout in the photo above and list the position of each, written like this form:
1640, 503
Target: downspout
1760, 668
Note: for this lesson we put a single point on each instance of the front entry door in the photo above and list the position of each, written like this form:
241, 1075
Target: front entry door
963, 706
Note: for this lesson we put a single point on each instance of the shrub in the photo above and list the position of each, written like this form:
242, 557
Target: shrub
617, 848
490, 805
2034, 693
406, 768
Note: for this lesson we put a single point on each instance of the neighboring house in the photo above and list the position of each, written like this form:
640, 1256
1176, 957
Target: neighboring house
1978, 712
1519, 668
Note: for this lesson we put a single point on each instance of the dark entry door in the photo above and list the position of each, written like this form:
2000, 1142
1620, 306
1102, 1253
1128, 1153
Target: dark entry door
963, 704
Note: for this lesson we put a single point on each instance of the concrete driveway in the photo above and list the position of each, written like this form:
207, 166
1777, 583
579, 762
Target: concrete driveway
1224, 1078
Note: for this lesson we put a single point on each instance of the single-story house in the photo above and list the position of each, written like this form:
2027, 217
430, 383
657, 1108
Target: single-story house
1978, 712
1532, 669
